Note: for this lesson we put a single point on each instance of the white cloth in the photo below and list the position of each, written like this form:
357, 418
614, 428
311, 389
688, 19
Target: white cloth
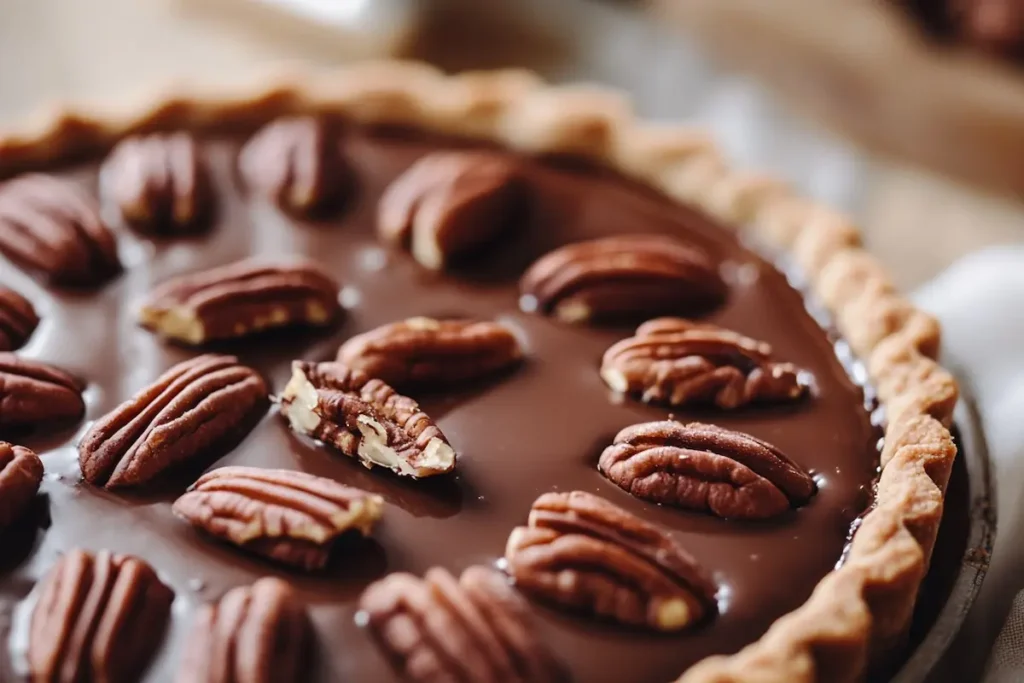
980, 301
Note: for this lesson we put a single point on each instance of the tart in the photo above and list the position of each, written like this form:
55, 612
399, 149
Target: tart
555, 394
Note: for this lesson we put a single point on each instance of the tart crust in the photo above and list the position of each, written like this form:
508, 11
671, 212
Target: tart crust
860, 612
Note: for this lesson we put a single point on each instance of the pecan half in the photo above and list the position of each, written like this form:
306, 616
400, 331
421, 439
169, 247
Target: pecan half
616, 278
297, 163
364, 418
424, 351
441, 629
18, 319
679, 362
99, 618
159, 183
34, 393
291, 517
254, 634
242, 298
50, 226
451, 204
704, 467
586, 554
196, 405
21, 472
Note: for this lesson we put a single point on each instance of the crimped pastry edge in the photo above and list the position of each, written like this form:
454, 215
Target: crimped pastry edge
859, 613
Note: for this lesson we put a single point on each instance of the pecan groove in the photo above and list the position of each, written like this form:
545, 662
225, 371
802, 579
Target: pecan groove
451, 204
583, 553
424, 351
50, 226
21, 472
679, 362
253, 634
18, 319
364, 418
192, 407
704, 467
242, 298
34, 393
290, 517
625, 277
441, 629
99, 618
159, 183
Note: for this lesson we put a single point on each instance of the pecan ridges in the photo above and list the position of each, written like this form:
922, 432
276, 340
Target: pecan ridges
34, 393
451, 204
679, 362
364, 418
297, 163
585, 554
193, 407
159, 183
291, 517
704, 467
241, 298
50, 226
99, 618
18, 319
253, 634
21, 472
424, 351
625, 277
441, 629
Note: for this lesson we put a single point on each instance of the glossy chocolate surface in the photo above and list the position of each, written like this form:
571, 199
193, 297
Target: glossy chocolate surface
536, 429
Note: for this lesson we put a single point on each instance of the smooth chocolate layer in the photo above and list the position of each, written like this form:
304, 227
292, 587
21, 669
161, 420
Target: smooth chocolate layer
537, 429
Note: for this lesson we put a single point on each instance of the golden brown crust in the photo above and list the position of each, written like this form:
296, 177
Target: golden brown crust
858, 611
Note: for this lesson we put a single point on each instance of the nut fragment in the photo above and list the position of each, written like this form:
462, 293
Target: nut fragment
159, 183
34, 393
441, 629
18, 319
424, 351
586, 554
297, 163
197, 405
364, 418
254, 634
21, 472
679, 362
704, 467
622, 278
99, 618
451, 204
291, 517
242, 298
50, 226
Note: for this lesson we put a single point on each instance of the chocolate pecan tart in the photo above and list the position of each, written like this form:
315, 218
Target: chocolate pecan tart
509, 321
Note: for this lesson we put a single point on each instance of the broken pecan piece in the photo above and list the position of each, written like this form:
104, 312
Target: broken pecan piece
617, 278
424, 351
21, 472
18, 319
441, 629
159, 183
34, 393
253, 634
364, 418
291, 517
297, 163
99, 618
195, 406
50, 226
679, 362
451, 204
242, 298
586, 554
704, 467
